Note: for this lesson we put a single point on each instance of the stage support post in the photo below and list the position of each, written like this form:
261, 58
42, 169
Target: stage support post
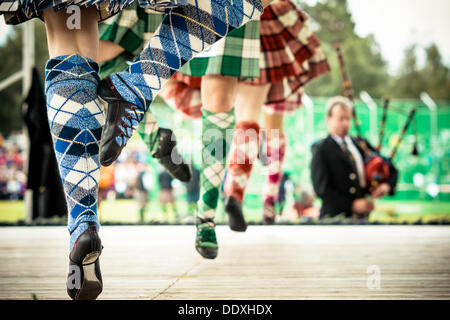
28, 62
434, 139
308, 129
373, 115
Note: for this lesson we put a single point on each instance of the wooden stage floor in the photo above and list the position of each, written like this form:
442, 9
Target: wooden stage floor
276, 262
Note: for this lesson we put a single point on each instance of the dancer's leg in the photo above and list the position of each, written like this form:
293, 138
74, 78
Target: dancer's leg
122, 38
160, 142
218, 94
184, 32
108, 50
181, 97
62, 41
276, 149
76, 121
244, 150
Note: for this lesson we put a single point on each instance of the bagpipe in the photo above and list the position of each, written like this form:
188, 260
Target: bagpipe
376, 166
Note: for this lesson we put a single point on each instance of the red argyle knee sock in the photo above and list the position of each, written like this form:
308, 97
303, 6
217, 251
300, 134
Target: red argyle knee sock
182, 97
243, 154
276, 149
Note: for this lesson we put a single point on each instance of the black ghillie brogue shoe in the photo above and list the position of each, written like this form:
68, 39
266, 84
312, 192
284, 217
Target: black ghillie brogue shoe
205, 240
236, 219
269, 215
121, 116
84, 280
167, 154
268, 220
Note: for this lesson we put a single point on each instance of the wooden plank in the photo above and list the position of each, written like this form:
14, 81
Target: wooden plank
276, 262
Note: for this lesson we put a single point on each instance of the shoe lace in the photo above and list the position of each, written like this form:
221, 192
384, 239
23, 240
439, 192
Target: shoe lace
130, 118
206, 234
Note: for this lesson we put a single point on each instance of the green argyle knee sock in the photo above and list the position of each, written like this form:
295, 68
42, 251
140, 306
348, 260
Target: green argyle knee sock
149, 133
217, 135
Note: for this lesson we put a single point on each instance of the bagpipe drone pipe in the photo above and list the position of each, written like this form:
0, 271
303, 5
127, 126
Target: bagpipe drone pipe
376, 166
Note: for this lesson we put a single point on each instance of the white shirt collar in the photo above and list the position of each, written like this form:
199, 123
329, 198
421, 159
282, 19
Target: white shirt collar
339, 139
358, 158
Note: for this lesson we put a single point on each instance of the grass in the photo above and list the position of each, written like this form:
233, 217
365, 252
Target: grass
410, 212
127, 211
12, 211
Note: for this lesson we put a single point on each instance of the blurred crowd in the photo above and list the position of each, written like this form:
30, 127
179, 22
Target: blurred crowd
130, 177
120, 180
12, 173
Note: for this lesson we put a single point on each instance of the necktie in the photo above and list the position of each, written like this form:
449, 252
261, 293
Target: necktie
350, 155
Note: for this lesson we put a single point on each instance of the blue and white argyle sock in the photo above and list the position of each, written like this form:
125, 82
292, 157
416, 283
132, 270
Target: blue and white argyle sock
184, 32
76, 120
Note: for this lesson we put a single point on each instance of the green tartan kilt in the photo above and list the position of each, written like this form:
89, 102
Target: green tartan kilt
237, 55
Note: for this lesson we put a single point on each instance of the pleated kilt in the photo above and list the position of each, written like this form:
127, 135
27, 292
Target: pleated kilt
289, 57
237, 55
18, 11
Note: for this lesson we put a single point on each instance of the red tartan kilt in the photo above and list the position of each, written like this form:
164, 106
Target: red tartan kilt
291, 54
283, 53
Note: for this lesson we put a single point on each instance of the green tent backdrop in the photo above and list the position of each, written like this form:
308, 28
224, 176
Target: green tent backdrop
419, 176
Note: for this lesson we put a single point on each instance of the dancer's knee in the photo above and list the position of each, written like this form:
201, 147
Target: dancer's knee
218, 93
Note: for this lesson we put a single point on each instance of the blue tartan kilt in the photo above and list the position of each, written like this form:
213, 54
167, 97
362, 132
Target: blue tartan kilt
18, 11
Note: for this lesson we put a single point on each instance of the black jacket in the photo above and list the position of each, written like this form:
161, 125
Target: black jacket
335, 179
